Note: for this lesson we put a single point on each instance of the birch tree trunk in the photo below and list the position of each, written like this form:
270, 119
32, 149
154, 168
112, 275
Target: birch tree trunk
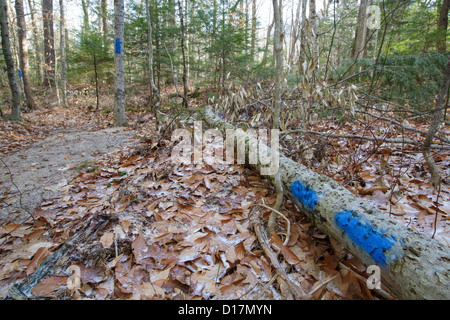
6, 47
62, 52
411, 264
119, 64
23, 54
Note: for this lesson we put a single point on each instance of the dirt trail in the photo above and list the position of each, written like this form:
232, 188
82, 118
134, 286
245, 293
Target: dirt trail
40, 172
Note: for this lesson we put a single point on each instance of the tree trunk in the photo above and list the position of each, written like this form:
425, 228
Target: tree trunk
412, 265
105, 27
314, 37
153, 89
361, 31
183, 53
266, 48
37, 46
85, 7
187, 9
6, 47
253, 41
120, 118
303, 33
96, 83
441, 42
23, 55
294, 34
62, 52
434, 127
49, 48
277, 106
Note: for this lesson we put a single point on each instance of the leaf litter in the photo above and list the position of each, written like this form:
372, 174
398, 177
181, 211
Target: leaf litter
183, 232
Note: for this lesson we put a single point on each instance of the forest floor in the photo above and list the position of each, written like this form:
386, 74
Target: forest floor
171, 232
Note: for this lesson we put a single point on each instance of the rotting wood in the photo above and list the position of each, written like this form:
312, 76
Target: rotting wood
412, 265
59, 261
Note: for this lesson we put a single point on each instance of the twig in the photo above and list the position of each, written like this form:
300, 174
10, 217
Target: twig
260, 231
20, 192
268, 284
437, 209
322, 284
354, 136
282, 215
381, 292
443, 139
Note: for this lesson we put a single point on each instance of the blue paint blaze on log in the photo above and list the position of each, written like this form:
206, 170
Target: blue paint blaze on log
118, 49
305, 195
374, 242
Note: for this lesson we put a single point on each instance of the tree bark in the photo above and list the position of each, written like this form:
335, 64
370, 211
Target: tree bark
253, 40
153, 89
314, 37
105, 27
294, 34
120, 118
434, 127
183, 54
37, 46
49, 47
361, 31
277, 106
303, 32
441, 42
85, 7
62, 52
266, 48
23, 54
6, 47
412, 265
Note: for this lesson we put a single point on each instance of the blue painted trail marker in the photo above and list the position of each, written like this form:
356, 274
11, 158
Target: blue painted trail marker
118, 48
305, 195
375, 242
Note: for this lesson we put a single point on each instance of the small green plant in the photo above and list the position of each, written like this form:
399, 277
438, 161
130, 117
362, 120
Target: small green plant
87, 166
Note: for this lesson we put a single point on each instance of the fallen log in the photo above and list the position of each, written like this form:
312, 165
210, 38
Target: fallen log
412, 265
